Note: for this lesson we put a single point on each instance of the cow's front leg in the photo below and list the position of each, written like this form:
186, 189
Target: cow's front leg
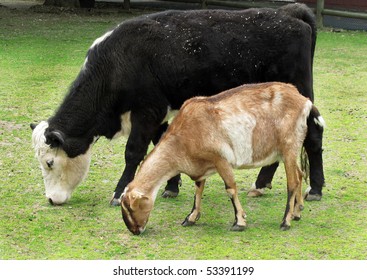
172, 188
142, 132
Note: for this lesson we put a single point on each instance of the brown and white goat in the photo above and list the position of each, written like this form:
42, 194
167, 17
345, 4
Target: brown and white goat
245, 127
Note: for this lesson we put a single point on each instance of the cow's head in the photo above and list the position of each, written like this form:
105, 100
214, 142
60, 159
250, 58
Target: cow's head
136, 208
61, 173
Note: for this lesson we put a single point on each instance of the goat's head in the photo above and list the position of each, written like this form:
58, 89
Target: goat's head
136, 208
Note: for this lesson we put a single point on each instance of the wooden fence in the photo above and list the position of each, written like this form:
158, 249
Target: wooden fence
320, 10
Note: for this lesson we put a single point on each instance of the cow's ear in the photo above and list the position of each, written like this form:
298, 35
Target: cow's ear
33, 126
55, 138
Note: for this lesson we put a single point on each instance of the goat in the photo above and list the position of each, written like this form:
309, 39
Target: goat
245, 127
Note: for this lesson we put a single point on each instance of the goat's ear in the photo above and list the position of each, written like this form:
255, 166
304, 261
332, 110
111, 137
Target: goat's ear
33, 126
139, 201
54, 138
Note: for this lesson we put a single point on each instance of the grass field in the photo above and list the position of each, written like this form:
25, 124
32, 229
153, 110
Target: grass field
41, 54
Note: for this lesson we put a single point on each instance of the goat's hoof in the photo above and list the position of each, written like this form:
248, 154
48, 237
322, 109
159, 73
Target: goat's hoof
115, 202
169, 194
187, 223
238, 228
285, 227
296, 218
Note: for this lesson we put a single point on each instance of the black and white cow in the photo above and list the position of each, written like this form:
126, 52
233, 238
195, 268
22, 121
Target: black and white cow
145, 68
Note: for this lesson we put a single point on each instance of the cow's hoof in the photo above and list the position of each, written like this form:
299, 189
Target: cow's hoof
169, 194
115, 202
310, 196
313, 197
238, 228
253, 192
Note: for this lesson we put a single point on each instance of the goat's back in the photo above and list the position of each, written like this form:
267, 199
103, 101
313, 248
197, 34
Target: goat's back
251, 125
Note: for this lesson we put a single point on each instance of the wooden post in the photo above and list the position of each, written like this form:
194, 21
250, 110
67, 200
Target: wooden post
203, 4
127, 4
319, 11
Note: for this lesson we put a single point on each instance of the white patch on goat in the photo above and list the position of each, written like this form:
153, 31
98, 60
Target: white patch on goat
65, 174
239, 130
301, 125
278, 99
270, 159
101, 39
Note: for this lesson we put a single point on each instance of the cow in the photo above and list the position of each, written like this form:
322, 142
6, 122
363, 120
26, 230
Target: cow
136, 75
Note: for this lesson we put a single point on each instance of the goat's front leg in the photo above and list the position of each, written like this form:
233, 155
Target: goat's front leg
226, 172
195, 212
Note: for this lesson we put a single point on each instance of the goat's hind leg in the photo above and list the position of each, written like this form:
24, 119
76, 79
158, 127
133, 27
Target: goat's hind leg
299, 205
195, 212
293, 192
240, 216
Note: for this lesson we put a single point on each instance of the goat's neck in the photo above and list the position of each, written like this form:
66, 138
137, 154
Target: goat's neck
159, 166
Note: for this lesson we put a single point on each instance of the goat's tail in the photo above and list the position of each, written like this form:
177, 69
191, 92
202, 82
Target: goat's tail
305, 165
316, 120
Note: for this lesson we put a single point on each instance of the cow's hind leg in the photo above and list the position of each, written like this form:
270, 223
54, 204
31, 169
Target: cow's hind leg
263, 180
195, 212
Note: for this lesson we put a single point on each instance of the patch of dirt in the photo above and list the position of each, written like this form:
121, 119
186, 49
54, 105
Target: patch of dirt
9, 126
19, 5
101, 9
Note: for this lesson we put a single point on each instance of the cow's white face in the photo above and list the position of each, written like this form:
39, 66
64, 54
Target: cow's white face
61, 174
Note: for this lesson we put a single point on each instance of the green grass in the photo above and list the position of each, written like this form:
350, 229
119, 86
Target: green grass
40, 55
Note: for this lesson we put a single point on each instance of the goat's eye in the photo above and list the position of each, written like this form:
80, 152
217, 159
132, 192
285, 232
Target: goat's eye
50, 163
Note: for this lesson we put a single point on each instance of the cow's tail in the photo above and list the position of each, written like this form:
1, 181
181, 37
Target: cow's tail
319, 123
304, 13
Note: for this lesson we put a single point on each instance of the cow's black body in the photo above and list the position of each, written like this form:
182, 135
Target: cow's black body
158, 61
